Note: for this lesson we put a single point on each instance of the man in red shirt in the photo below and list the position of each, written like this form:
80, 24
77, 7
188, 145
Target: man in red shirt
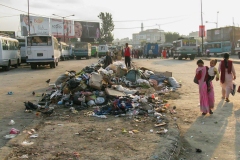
127, 56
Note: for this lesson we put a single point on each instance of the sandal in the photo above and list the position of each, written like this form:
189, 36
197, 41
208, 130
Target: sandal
210, 112
227, 100
204, 114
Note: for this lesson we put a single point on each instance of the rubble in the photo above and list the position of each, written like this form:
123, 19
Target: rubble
113, 90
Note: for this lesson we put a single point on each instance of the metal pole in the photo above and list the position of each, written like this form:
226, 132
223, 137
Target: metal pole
28, 20
217, 20
202, 25
63, 30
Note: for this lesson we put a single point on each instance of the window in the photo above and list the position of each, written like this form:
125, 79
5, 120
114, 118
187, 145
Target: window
39, 41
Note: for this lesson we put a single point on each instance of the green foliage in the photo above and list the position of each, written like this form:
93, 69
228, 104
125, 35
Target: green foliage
107, 27
171, 36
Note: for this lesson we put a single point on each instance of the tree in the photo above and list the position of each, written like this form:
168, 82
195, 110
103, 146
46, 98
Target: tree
171, 36
107, 27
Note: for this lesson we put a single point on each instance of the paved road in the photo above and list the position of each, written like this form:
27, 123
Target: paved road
216, 135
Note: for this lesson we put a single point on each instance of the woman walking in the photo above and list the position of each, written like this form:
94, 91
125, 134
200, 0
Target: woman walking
227, 75
206, 98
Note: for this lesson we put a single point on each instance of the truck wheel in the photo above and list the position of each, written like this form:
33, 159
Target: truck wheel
18, 63
7, 68
87, 57
179, 57
52, 65
174, 57
192, 57
33, 66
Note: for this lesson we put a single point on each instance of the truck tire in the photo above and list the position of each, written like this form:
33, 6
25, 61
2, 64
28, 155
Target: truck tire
179, 57
52, 65
7, 68
33, 66
192, 57
239, 55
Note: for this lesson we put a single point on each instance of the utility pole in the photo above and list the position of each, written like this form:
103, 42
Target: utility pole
202, 25
233, 43
28, 20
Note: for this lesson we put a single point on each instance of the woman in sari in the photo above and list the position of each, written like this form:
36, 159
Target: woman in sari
227, 75
206, 98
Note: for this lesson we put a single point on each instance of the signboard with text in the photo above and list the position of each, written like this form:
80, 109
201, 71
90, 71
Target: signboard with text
58, 28
34, 25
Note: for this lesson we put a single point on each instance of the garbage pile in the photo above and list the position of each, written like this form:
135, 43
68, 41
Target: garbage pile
113, 90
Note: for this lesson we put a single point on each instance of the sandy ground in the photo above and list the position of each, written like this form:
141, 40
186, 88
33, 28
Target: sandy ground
75, 136
216, 135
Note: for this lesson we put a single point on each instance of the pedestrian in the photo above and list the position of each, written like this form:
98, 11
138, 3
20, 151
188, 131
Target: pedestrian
150, 53
133, 53
164, 53
168, 55
227, 75
212, 72
127, 54
108, 60
206, 98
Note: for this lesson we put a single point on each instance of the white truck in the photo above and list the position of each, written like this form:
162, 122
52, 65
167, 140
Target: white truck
9, 53
42, 50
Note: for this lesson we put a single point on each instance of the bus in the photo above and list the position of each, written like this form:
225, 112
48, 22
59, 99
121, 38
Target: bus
185, 48
237, 48
22, 49
42, 50
81, 50
9, 53
94, 51
102, 49
64, 50
153, 47
218, 48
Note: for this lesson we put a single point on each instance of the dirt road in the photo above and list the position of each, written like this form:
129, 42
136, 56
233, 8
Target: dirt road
216, 135
74, 136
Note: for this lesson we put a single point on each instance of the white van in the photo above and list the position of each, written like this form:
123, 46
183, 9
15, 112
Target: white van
22, 49
102, 49
42, 50
9, 53
64, 50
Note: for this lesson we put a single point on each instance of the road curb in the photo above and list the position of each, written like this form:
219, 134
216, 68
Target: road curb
208, 59
172, 141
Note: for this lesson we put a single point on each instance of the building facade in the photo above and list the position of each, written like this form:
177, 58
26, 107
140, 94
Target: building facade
148, 36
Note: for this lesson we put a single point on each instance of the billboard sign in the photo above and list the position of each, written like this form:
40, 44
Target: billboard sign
86, 29
57, 28
38, 25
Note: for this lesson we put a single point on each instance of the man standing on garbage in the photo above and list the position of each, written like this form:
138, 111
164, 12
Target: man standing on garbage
127, 54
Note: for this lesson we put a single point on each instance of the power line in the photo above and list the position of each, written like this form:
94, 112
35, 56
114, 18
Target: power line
9, 16
143, 20
150, 19
155, 25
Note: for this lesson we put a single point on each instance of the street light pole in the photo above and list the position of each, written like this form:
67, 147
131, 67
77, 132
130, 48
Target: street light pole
28, 20
217, 20
63, 23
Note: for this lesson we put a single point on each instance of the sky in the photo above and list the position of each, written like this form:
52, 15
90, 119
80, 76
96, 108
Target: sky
182, 16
